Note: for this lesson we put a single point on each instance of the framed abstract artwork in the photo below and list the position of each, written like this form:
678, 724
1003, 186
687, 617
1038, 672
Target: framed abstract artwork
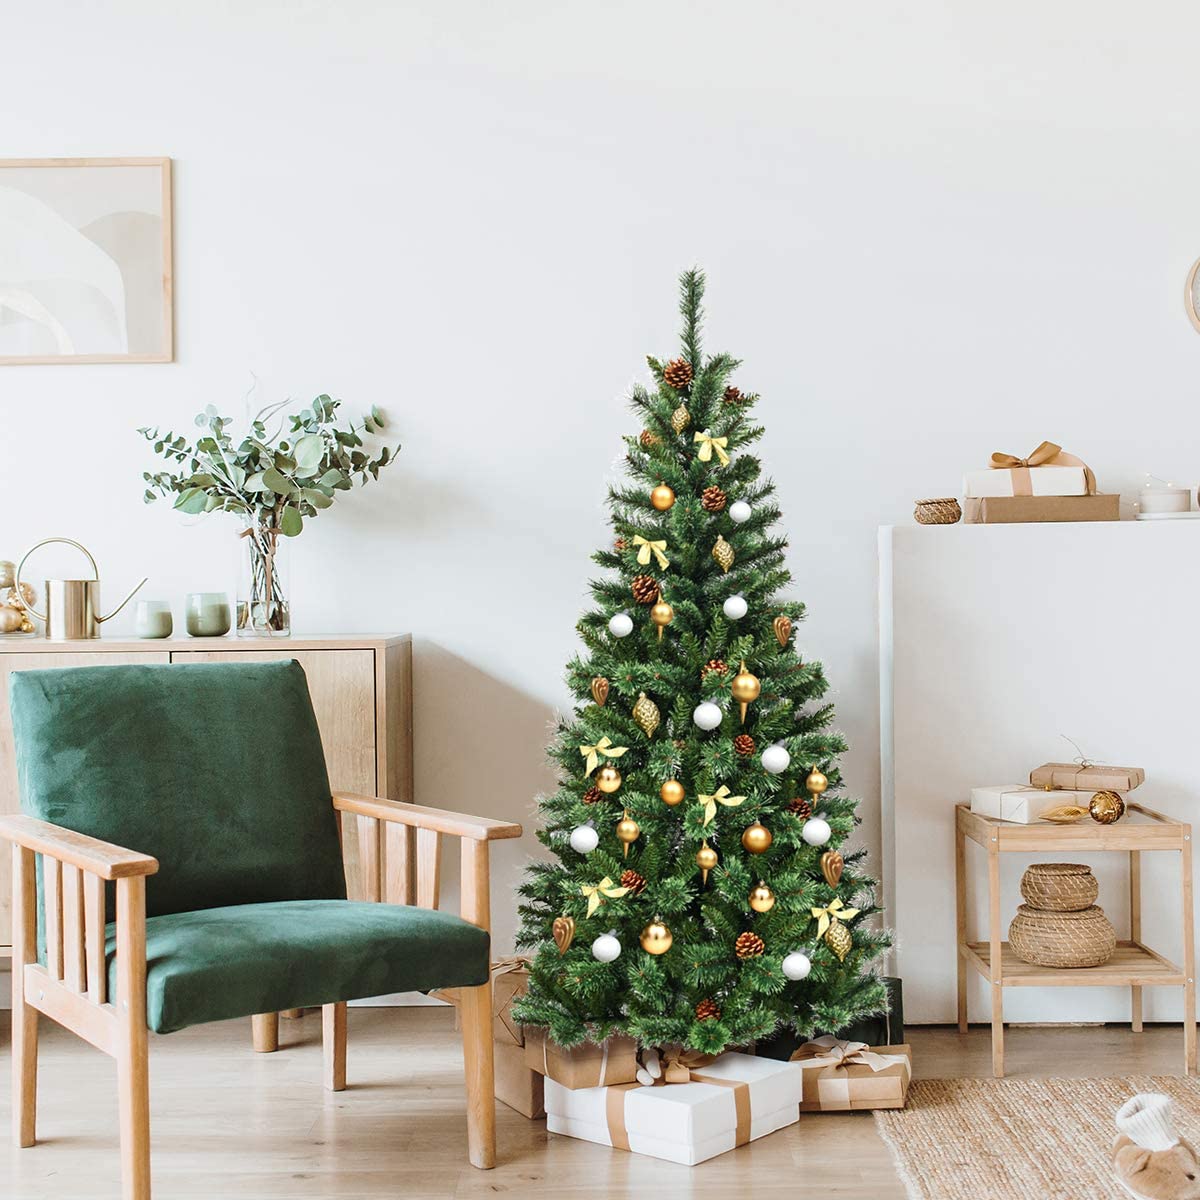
85, 260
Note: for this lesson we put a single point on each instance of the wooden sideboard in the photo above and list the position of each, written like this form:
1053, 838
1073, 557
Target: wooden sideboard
361, 690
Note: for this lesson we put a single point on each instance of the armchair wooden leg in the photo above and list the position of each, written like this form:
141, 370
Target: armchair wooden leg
264, 1029
133, 1075
333, 1038
24, 1016
475, 1005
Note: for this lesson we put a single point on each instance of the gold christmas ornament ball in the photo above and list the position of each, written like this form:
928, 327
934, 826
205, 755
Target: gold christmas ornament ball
1106, 807
656, 938
745, 688
757, 838
706, 859
662, 497
628, 831
646, 714
608, 779
816, 782
10, 619
762, 899
672, 792
662, 614
839, 940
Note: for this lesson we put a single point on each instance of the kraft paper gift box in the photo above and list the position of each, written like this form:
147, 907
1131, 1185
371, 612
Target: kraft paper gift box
510, 979
731, 1101
584, 1066
840, 1076
516, 1085
1024, 510
1020, 803
1089, 777
1048, 471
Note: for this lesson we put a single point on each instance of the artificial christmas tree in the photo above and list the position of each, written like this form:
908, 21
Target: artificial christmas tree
707, 728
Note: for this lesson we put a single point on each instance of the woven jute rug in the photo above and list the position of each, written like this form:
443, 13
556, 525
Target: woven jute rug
1018, 1139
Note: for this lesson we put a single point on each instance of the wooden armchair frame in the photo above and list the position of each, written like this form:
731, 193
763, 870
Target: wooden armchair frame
399, 851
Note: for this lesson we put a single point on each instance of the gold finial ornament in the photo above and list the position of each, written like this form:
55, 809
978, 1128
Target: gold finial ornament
662, 614
646, 714
628, 831
656, 937
706, 859
672, 792
681, 418
761, 898
745, 688
608, 779
816, 782
600, 690
783, 629
757, 838
563, 930
723, 553
662, 497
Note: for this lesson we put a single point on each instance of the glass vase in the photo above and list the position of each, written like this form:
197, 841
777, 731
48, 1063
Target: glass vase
264, 587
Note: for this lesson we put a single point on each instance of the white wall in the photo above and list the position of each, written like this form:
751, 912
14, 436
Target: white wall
932, 230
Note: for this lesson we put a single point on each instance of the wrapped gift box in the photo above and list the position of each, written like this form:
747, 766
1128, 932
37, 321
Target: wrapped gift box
1020, 803
584, 1066
1026, 481
840, 1076
729, 1102
516, 1085
1094, 777
1020, 510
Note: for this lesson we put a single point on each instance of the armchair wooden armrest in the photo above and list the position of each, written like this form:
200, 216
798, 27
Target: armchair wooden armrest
439, 820
87, 853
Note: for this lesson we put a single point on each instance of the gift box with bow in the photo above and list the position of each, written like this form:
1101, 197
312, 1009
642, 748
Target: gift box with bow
1048, 471
1087, 777
1019, 802
840, 1076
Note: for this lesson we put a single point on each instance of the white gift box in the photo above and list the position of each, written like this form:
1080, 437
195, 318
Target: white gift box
1021, 803
1026, 481
686, 1123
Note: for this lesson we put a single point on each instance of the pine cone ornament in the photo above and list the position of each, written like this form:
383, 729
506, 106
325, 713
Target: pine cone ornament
800, 807
708, 1010
645, 589
592, 795
733, 395
716, 666
744, 744
677, 373
649, 440
681, 418
620, 545
713, 499
749, 945
633, 881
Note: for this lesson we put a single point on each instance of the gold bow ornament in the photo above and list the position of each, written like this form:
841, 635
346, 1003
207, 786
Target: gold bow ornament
647, 548
830, 913
602, 749
1046, 455
708, 444
597, 893
720, 796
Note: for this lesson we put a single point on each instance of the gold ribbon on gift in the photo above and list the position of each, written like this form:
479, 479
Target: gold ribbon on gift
597, 892
614, 1108
511, 962
720, 796
842, 1054
1046, 455
602, 749
647, 548
830, 913
679, 1065
708, 444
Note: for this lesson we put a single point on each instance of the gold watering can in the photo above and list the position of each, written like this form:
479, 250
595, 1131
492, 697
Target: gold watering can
72, 605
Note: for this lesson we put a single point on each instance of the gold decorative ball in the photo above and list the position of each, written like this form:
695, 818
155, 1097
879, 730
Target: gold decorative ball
816, 782
628, 831
608, 779
8, 574
662, 497
662, 614
706, 857
10, 619
1106, 807
656, 938
672, 792
762, 899
757, 838
745, 687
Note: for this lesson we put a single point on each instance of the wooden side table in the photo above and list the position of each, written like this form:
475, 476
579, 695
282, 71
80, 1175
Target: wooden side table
1132, 965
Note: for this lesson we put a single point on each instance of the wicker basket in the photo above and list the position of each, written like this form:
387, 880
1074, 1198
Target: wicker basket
942, 510
1062, 939
1059, 887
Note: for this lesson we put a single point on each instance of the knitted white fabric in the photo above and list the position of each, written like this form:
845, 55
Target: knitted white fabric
1146, 1120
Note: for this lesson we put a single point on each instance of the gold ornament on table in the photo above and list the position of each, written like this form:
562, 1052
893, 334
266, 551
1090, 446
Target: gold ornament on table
628, 832
672, 792
661, 614
723, 553
749, 945
816, 782
608, 779
646, 714
832, 865
11, 619
720, 796
839, 939
757, 838
783, 629
656, 938
681, 418
1064, 814
1106, 807
602, 749
745, 688
646, 548
597, 893
662, 497
600, 690
563, 931
761, 898
709, 446
706, 859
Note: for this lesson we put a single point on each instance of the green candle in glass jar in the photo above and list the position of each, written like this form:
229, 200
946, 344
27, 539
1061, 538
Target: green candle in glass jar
208, 614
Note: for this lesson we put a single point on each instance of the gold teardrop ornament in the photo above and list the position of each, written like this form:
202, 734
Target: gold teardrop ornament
681, 418
832, 865
662, 614
723, 553
783, 629
646, 714
839, 940
706, 859
1064, 814
564, 933
745, 688
628, 832
600, 690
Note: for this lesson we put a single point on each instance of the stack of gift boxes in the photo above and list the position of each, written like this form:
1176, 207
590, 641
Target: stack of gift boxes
1049, 485
1053, 786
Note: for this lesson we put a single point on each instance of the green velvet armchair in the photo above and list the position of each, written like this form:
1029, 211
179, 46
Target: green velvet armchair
231, 898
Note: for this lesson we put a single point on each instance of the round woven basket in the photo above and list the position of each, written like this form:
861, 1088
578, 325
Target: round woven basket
1062, 939
1060, 887
942, 510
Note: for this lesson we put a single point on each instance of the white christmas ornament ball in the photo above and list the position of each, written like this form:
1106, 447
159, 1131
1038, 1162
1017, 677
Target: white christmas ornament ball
584, 839
707, 715
816, 831
775, 760
735, 607
739, 512
620, 625
797, 965
606, 948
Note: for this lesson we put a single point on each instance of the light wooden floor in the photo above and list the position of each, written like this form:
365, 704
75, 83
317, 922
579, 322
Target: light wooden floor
227, 1122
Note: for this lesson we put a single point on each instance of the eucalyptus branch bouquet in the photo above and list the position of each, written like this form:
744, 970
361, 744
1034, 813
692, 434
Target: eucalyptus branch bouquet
273, 481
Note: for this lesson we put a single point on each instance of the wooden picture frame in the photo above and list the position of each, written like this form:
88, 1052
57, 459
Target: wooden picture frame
122, 248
